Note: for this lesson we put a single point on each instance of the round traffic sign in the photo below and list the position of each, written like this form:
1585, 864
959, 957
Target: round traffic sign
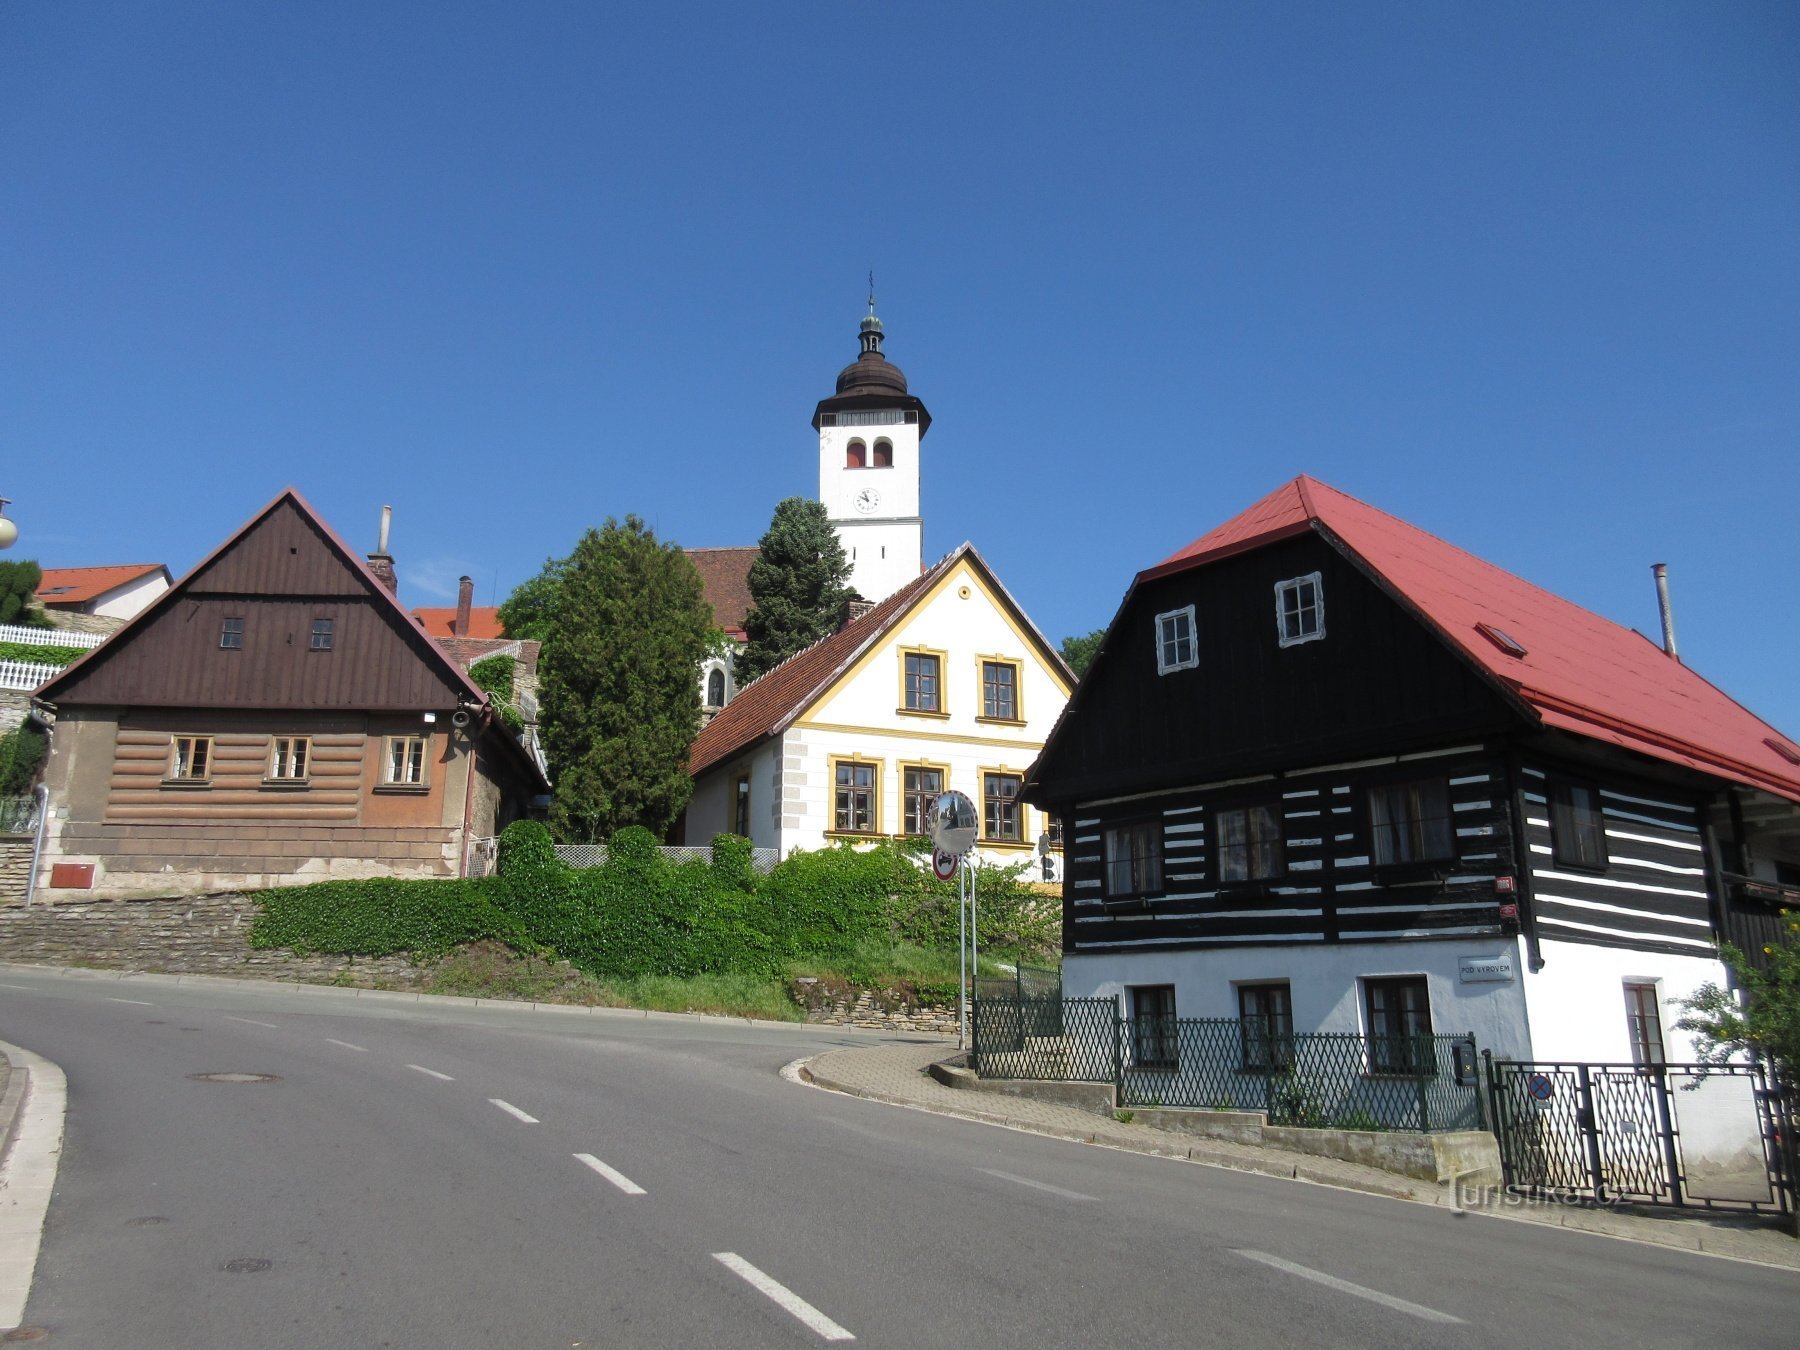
1540, 1087
944, 864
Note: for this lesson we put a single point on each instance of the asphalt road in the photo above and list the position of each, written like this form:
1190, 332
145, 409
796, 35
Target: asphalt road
432, 1176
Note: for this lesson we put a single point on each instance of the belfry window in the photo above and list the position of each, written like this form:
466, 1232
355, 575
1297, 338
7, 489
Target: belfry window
856, 455
884, 454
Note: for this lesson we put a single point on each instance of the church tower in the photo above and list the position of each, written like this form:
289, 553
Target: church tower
869, 435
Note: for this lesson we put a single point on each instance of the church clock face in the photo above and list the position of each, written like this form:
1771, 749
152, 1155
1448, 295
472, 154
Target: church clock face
867, 500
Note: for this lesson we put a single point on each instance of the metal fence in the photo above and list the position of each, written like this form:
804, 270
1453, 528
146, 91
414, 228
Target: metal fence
18, 815
1337, 1080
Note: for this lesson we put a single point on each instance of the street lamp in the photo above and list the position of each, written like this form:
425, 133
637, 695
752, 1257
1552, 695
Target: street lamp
9, 532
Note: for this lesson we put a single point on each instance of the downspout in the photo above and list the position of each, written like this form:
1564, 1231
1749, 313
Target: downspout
42, 793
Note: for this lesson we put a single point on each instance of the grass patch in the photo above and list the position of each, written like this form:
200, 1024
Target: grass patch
492, 970
726, 994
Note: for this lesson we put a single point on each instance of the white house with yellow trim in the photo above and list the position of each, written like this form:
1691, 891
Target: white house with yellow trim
945, 684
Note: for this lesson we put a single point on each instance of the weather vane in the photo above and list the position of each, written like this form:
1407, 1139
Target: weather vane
871, 290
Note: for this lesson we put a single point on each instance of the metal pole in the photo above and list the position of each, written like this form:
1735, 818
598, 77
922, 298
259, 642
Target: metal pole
962, 958
974, 926
42, 793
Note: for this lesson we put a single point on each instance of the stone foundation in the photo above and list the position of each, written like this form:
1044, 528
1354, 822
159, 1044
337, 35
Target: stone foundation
15, 867
897, 1010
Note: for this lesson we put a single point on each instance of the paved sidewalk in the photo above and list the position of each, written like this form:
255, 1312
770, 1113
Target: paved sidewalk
897, 1074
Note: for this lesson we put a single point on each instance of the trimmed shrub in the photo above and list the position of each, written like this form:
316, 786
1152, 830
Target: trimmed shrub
384, 915
22, 752
526, 844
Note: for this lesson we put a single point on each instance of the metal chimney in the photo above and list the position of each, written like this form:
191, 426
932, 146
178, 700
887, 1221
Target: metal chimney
387, 519
1661, 571
381, 562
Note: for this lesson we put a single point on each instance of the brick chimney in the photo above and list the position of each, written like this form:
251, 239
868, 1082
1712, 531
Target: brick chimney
381, 562
465, 601
854, 608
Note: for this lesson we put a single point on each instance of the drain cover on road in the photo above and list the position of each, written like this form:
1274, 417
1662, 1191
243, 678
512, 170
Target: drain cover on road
148, 1221
235, 1077
246, 1265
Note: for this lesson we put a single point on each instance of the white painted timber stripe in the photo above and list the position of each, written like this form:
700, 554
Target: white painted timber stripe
1619, 885
1357, 860
1469, 778
1471, 806
431, 1073
1035, 1185
1603, 908
1676, 807
1309, 865
1695, 943
783, 1297
1290, 796
1184, 810
1298, 815
137, 1001
617, 1178
1612, 813
250, 1021
1535, 773
1533, 820
1185, 829
1646, 839
1397, 933
1273, 939
360, 1049
1418, 1310
1439, 754
28, 1176
512, 1111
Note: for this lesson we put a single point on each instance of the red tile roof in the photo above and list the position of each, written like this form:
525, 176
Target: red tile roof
768, 703
725, 573
483, 623
1580, 673
78, 585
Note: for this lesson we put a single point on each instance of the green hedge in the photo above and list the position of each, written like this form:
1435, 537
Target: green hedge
43, 654
640, 913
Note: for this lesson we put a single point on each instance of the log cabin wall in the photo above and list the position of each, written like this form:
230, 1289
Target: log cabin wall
1332, 884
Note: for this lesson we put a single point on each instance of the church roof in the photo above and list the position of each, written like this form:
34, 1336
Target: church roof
725, 577
1564, 665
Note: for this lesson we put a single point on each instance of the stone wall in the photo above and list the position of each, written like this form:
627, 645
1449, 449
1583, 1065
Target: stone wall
191, 935
14, 705
836, 1005
15, 867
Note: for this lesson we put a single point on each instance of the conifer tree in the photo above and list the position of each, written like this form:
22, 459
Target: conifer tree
798, 587
18, 584
618, 684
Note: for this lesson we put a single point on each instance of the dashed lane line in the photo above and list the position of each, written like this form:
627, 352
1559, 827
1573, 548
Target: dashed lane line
617, 1178
783, 1297
1035, 1185
137, 1001
431, 1073
1418, 1310
252, 1022
512, 1111
360, 1049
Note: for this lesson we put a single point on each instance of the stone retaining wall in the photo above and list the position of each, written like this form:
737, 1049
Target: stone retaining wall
15, 867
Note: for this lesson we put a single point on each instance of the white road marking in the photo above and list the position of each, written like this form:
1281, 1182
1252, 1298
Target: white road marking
360, 1049
617, 1178
1036, 1185
783, 1297
431, 1073
1418, 1310
25, 987
512, 1111
138, 1001
253, 1022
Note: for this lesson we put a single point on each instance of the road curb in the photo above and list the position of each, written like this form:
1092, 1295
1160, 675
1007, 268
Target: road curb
28, 1175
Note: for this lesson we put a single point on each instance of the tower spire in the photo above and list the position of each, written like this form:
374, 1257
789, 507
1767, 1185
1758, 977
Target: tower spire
870, 331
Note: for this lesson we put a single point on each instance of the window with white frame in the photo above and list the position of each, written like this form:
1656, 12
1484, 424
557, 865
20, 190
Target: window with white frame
288, 759
1300, 610
190, 759
404, 763
1176, 645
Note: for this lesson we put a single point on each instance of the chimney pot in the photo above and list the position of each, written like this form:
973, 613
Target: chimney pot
465, 601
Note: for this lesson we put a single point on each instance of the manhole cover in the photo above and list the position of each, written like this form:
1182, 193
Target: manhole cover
246, 1265
235, 1077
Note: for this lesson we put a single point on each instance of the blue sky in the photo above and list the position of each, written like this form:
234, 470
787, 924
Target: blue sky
1525, 275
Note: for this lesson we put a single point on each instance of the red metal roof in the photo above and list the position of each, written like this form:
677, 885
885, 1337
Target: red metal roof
483, 623
1579, 673
78, 585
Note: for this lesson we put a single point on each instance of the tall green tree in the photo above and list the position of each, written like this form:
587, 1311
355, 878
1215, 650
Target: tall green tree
18, 583
1079, 652
526, 612
799, 584
617, 684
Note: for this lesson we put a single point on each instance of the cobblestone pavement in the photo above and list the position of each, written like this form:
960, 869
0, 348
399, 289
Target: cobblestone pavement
897, 1074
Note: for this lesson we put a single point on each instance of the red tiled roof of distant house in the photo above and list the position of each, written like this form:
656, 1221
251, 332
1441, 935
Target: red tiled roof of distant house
78, 585
483, 623
725, 574
1578, 672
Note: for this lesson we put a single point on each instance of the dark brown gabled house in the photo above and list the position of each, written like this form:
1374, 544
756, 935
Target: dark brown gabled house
276, 717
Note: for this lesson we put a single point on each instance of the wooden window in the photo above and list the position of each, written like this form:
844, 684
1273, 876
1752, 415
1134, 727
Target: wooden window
231, 634
1134, 859
1002, 814
1153, 1026
321, 635
1577, 826
290, 757
999, 690
190, 759
715, 689
1250, 844
403, 764
1410, 821
855, 455
1643, 1017
920, 786
740, 804
922, 682
884, 454
1300, 610
1266, 1026
1176, 646
857, 797
1399, 1026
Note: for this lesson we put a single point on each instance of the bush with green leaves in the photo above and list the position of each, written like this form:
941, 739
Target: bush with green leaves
22, 752
523, 844
40, 653
382, 916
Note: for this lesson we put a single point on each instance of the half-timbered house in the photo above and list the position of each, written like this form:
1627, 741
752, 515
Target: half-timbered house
1331, 773
277, 716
